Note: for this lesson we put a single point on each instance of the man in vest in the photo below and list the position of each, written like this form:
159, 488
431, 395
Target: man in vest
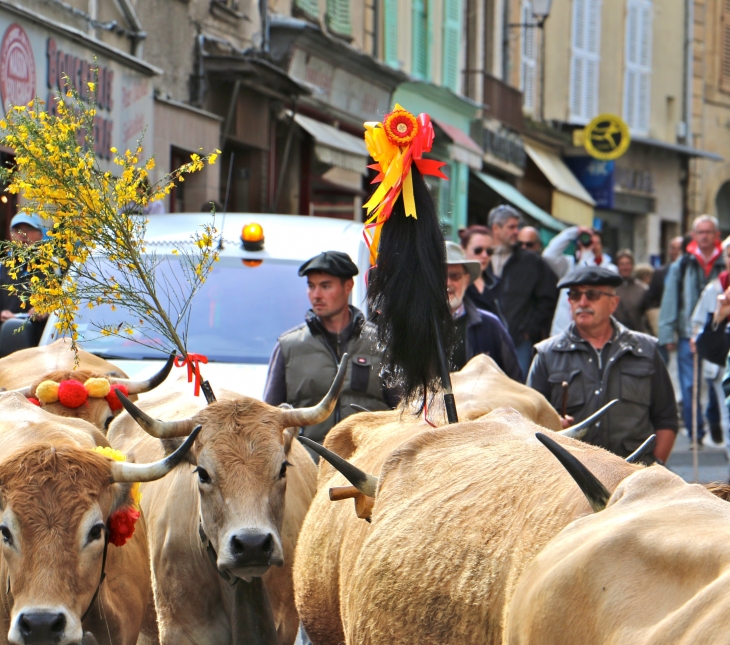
304, 362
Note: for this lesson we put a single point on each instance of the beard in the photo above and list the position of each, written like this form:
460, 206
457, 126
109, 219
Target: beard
455, 301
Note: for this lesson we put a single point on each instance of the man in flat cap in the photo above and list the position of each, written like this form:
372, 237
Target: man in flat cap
597, 360
304, 362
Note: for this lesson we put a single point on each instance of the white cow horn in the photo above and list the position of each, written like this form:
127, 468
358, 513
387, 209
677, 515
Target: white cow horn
578, 431
137, 387
153, 427
123, 471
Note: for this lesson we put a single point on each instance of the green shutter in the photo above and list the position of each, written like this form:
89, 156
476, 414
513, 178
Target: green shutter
421, 67
338, 17
451, 44
310, 7
390, 33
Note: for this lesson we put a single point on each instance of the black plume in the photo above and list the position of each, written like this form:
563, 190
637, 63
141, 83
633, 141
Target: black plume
407, 294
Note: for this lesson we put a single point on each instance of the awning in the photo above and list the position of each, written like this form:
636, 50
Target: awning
570, 201
517, 199
335, 147
689, 151
463, 148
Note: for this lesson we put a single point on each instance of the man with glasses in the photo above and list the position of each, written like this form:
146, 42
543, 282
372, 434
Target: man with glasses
529, 239
597, 360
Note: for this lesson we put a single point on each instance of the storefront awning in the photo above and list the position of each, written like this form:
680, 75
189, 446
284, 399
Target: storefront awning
517, 199
463, 148
335, 147
571, 202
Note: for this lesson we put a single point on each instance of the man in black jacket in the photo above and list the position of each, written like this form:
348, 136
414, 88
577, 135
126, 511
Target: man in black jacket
526, 287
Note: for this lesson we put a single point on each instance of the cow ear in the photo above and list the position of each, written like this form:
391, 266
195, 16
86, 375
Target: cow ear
288, 435
171, 445
121, 495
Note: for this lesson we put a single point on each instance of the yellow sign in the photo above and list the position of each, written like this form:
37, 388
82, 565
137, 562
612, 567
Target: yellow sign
606, 137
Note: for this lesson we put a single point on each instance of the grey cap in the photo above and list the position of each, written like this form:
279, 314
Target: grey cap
455, 255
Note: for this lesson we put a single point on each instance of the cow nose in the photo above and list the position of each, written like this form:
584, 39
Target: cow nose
251, 549
42, 627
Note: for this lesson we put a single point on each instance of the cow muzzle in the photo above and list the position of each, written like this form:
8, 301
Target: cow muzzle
45, 626
250, 553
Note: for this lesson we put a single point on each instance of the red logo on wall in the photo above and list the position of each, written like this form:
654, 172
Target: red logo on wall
17, 67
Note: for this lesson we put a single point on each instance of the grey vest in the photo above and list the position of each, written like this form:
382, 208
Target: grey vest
311, 366
626, 376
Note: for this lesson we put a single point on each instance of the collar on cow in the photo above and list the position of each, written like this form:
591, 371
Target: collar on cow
213, 557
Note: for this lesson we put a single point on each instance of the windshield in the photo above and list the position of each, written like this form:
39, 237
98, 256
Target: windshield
236, 317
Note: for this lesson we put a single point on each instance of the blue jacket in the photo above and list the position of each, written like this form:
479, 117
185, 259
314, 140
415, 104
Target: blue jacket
679, 300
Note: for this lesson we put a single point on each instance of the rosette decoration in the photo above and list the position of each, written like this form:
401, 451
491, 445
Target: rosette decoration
396, 144
73, 394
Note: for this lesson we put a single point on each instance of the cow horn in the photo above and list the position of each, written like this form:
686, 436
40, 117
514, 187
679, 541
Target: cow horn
592, 488
646, 447
25, 391
366, 484
158, 429
321, 411
124, 471
578, 431
137, 387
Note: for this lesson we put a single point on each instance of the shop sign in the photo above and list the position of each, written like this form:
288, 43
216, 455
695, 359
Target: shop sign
635, 181
34, 64
606, 137
505, 146
596, 176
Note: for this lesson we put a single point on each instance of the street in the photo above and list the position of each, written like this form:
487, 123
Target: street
713, 464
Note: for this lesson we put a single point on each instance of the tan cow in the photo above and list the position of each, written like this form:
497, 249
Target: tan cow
249, 492
56, 497
653, 568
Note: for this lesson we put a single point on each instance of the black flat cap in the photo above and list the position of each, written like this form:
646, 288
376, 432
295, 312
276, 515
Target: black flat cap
333, 262
590, 276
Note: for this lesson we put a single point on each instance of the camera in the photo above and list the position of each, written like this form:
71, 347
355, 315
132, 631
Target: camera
585, 239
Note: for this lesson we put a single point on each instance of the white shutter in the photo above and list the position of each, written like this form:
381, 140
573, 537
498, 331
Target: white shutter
585, 60
528, 62
637, 75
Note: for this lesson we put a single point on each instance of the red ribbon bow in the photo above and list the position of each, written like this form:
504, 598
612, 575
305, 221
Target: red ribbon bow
193, 362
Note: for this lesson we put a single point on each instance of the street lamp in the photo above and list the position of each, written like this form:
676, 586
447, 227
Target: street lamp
541, 11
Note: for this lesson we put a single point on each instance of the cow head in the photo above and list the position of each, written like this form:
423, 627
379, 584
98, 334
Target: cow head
55, 503
241, 472
97, 407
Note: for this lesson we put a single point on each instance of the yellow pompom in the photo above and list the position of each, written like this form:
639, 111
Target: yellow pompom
47, 392
97, 387
116, 455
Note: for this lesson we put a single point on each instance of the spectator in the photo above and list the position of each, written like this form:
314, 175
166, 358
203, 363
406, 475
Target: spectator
601, 360
477, 331
653, 297
529, 239
525, 288
589, 252
644, 273
631, 292
304, 361
478, 245
686, 279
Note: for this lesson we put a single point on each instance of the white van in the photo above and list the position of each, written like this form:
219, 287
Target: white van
248, 301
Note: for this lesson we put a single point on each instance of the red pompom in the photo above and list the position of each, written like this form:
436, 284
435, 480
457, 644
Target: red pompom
72, 394
113, 400
34, 401
121, 525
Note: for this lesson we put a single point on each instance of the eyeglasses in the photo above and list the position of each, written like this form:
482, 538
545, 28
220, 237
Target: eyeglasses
528, 245
591, 294
455, 276
481, 249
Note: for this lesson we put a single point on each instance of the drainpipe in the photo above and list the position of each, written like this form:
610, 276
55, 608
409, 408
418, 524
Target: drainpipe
688, 67
138, 35
505, 41
93, 15
200, 88
264, 13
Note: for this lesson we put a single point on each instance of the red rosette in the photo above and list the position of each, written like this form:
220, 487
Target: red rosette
72, 394
112, 399
401, 127
121, 525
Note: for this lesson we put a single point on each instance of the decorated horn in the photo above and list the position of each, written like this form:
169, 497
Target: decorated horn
321, 411
154, 427
592, 488
124, 471
137, 387
645, 448
366, 484
578, 431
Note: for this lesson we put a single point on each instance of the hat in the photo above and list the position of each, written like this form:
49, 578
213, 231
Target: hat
333, 262
455, 255
31, 220
591, 276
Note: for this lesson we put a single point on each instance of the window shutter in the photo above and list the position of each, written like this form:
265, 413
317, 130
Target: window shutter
390, 31
421, 41
585, 60
310, 7
637, 76
528, 62
725, 55
338, 16
452, 44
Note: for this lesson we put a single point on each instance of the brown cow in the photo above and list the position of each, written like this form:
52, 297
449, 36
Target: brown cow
653, 568
249, 492
56, 495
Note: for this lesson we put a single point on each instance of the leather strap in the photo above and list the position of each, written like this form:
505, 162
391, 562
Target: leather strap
101, 577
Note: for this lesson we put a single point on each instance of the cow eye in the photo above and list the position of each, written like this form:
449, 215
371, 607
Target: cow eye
7, 535
95, 532
203, 475
282, 472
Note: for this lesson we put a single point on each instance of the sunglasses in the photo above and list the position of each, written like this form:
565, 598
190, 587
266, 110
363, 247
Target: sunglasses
481, 249
455, 276
528, 245
591, 294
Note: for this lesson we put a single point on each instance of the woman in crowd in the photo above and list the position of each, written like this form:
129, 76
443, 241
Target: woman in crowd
477, 242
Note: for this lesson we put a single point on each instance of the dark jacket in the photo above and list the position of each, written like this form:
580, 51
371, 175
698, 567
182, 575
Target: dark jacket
527, 294
485, 334
630, 369
653, 295
487, 299
630, 310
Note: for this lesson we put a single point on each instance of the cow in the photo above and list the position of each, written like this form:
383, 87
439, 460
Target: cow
246, 498
60, 507
94, 379
332, 537
652, 568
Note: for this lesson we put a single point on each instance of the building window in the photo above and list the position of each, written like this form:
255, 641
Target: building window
452, 45
390, 33
528, 61
585, 60
725, 54
421, 67
637, 79
338, 17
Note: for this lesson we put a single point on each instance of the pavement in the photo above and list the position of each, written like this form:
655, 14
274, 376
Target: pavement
713, 464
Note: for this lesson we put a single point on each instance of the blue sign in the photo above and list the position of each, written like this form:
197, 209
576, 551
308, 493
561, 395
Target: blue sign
596, 176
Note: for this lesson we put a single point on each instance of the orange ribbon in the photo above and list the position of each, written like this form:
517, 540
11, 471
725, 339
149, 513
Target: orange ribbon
193, 362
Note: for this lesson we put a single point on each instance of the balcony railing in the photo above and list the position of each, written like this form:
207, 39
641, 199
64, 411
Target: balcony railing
501, 101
